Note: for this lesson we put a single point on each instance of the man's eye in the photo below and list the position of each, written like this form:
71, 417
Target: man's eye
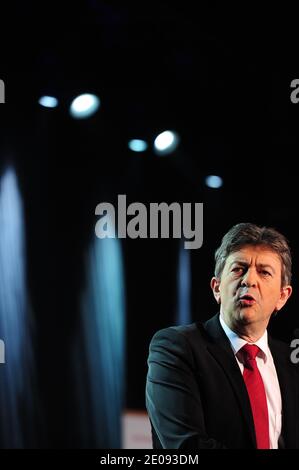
238, 270
266, 273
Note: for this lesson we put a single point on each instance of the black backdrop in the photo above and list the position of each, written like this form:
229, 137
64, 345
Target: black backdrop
223, 84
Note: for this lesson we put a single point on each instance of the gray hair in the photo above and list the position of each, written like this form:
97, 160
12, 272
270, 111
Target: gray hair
250, 234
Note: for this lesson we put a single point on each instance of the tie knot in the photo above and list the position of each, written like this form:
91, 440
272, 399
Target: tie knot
250, 351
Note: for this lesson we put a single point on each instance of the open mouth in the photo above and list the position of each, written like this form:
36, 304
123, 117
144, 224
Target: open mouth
247, 299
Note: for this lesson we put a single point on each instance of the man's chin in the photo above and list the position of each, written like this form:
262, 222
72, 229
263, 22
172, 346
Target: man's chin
246, 315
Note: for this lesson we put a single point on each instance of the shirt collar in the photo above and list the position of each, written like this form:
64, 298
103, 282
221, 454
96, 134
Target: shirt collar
237, 343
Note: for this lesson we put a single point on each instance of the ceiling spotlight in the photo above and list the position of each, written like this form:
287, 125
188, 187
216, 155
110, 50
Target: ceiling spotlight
214, 181
84, 106
137, 145
166, 142
48, 101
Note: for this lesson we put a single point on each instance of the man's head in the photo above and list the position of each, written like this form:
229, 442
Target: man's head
252, 275
249, 234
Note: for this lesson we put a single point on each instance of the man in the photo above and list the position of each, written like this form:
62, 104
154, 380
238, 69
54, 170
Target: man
227, 383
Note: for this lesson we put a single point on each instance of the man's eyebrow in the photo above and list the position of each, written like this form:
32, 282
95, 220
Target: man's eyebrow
239, 261
265, 265
245, 263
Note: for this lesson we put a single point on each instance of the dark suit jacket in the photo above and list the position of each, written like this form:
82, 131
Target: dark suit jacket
196, 397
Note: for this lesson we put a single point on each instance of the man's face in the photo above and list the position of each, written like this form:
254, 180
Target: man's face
249, 290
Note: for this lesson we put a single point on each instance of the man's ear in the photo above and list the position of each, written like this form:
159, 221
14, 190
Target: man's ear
285, 293
215, 286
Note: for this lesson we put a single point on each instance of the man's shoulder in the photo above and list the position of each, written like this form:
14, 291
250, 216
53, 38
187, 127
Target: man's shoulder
177, 330
192, 332
179, 345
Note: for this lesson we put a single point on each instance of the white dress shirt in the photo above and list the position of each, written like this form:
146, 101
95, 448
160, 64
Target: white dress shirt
267, 370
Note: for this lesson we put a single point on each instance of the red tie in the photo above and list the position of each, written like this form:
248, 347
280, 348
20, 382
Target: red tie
257, 396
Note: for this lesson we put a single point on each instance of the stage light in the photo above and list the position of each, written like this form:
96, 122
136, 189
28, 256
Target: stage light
48, 101
183, 311
213, 181
166, 142
18, 374
101, 348
84, 106
137, 145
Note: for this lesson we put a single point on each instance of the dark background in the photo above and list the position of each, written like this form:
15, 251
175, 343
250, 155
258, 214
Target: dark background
220, 78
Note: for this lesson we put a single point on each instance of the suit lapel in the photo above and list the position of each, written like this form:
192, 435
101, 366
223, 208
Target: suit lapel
221, 350
288, 387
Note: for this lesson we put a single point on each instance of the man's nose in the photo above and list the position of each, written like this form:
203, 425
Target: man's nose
249, 278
